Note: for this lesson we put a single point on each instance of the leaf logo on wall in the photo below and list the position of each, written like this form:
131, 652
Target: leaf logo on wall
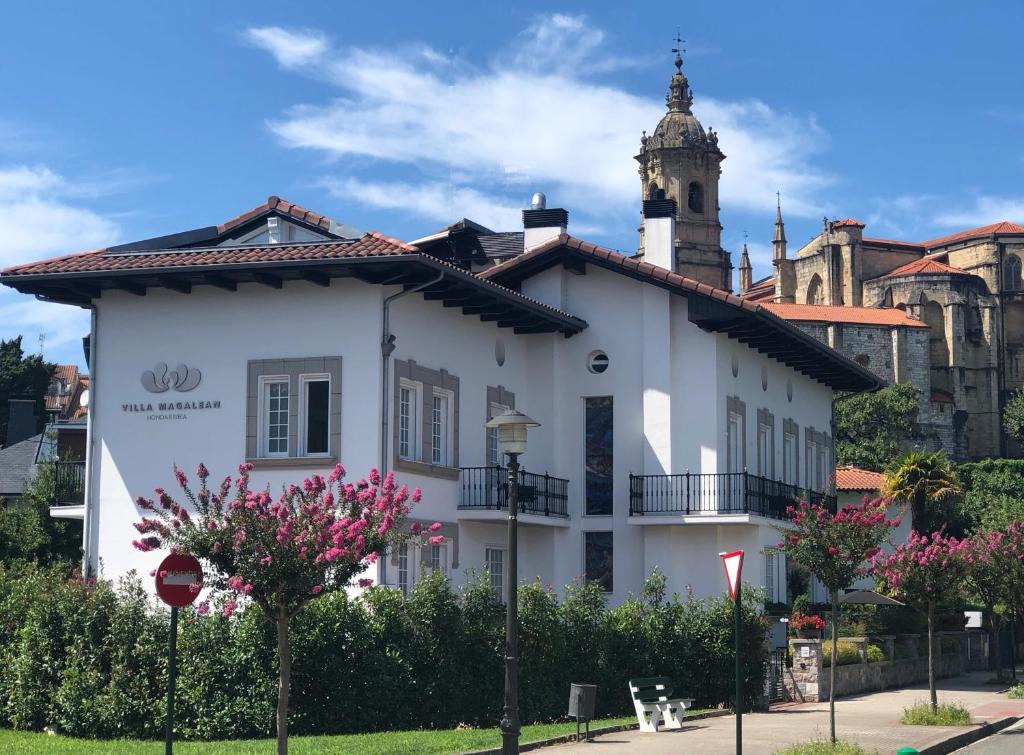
159, 379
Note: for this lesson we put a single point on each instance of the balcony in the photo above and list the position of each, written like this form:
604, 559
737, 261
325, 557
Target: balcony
68, 483
486, 489
708, 494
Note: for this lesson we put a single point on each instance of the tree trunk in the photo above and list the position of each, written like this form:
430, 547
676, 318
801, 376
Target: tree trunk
996, 661
832, 669
283, 681
933, 696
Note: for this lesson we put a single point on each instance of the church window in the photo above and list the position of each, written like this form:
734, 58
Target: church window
1012, 273
653, 192
695, 198
814, 294
887, 297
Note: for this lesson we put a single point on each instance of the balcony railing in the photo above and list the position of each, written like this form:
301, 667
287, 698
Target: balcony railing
487, 488
68, 482
724, 493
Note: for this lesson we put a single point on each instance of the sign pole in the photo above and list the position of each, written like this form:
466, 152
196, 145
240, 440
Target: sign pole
738, 610
172, 642
733, 563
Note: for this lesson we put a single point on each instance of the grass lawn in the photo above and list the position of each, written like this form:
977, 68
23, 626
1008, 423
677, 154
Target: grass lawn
950, 714
392, 742
824, 748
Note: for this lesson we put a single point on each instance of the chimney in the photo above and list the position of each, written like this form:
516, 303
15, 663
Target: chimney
660, 232
21, 420
541, 224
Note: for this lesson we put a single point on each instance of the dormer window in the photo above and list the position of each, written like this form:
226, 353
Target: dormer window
695, 198
57, 387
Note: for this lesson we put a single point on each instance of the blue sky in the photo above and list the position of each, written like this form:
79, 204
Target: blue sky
121, 121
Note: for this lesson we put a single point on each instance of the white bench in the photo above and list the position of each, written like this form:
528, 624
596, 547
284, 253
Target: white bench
654, 703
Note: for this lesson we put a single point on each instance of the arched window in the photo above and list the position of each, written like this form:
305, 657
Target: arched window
814, 294
887, 297
653, 192
695, 198
1011, 273
935, 317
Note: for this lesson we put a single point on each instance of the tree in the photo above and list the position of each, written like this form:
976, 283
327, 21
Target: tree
923, 482
21, 377
995, 574
924, 571
993, 493
1013, 415
313, 540
835, 548
874, 428
29, 533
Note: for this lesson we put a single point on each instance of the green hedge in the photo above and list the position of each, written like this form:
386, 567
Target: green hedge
92, 658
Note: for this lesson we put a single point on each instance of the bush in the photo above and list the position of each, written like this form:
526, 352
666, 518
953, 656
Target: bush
824, 747
849, 654
1016, 692
921, 714
875, 654
91, 657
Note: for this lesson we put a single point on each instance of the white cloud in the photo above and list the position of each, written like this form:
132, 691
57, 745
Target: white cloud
985, 210
530, 119
291, 49
45, 223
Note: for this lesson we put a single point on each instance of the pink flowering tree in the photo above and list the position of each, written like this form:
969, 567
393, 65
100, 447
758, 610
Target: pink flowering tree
924, 571
836, 548
995, 574
283, 552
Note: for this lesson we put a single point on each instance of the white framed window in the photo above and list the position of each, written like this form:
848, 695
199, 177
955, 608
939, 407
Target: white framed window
765, 462
494, 560
493, 454
408, 420
774, 576
789, 470
810, 464
734, 440
404, 568
439, 558
314, 415
274, 400
441, 422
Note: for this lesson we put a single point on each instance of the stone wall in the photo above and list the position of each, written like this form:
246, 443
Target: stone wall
808, 679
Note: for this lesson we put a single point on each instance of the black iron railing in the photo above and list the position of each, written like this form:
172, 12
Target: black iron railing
68, 482
487, 488
722, 493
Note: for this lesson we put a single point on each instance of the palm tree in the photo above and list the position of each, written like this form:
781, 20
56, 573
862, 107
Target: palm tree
921, 481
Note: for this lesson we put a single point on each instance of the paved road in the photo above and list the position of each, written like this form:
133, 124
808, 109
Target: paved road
1007, 742
871, 720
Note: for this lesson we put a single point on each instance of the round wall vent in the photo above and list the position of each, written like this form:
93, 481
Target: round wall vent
789, 390
764, 378
597, 362
499, 352
735, 366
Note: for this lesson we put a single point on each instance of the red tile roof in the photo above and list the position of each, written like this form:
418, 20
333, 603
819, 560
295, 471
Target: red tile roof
925, 266
372, 244
763, 290
855, 478
281, 205
908, 245
1002, 227
852, 315
847, 222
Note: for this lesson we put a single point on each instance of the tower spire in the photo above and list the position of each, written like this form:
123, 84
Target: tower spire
746, 270
779, 239
679, 97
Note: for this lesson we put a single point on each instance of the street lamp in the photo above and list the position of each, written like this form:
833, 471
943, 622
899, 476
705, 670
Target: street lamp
512, 427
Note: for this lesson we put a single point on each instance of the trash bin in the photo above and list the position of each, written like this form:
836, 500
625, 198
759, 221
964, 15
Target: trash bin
906, 751
582, 698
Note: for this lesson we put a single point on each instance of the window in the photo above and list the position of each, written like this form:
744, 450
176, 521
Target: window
774, 577
810, 459
764, 451
440, 422
316, 406
790, 468
695, 198
598, 435
735, 435
408, 412
1012, 275
597, 558
493, 454
439, 558
403, 568
597, 362
426, 420
275, 416
293, 409
494, 559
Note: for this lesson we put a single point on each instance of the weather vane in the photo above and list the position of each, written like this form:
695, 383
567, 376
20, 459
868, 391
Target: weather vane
679, 43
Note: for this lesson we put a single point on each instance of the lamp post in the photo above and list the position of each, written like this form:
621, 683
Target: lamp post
512, 427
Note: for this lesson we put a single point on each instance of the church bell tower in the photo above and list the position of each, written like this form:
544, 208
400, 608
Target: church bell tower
682, 161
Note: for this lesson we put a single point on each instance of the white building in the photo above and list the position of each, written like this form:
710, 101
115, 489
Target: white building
655, 393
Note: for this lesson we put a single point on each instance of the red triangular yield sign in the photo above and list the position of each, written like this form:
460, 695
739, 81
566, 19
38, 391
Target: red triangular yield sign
733, 563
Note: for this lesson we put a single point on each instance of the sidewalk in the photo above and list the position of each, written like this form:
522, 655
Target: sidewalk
871, 720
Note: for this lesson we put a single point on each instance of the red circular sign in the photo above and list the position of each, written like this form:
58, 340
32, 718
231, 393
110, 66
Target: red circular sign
179, 578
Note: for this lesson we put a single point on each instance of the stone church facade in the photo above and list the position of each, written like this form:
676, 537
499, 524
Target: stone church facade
946, 314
